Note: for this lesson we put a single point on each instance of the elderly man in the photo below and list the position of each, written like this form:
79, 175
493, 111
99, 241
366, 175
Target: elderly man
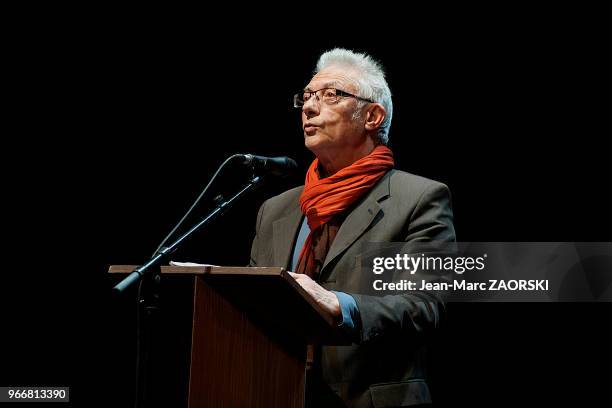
352, 195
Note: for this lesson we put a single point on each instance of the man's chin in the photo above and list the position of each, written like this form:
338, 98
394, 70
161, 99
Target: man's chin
313, 143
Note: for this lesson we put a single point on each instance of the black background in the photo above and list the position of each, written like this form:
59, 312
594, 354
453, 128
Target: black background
116, 130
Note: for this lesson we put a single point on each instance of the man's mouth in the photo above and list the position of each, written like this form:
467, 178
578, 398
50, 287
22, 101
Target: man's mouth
309, 129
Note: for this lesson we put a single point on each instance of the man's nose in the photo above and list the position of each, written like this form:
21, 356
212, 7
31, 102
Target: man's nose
311, 107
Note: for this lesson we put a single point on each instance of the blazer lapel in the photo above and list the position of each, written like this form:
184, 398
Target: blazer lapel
284, 233
358, 220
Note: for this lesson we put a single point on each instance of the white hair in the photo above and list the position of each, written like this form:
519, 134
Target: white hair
370, 79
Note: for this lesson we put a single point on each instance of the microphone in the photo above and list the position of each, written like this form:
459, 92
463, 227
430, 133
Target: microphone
277, 166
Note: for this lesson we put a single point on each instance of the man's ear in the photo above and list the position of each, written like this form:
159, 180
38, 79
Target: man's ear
375, 115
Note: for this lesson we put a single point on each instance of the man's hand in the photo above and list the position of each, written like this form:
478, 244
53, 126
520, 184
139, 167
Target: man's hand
325, 298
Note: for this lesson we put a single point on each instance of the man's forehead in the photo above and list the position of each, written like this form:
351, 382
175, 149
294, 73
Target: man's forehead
332, 78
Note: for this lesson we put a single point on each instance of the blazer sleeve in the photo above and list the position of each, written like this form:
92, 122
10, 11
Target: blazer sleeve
414, 312
255, 250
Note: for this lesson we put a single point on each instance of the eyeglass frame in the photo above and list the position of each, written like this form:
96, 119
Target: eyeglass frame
339, 92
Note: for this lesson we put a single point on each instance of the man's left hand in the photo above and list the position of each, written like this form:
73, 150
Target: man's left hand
324, 298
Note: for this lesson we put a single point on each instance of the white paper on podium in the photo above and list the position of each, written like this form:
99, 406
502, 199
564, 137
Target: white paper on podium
174, 263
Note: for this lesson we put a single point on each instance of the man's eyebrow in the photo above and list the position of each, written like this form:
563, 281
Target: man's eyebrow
332, 84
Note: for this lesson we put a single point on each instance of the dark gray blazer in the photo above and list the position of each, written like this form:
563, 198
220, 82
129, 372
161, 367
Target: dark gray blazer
386, 365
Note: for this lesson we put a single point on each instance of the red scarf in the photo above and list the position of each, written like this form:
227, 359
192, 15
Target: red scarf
324, 201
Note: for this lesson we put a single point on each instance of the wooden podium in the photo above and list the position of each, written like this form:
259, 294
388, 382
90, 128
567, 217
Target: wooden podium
249, 332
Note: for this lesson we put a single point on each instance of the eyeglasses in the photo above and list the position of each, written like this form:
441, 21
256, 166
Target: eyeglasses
329, 96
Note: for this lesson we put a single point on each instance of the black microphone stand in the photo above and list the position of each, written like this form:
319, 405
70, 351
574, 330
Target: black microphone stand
164, 252
148, 296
